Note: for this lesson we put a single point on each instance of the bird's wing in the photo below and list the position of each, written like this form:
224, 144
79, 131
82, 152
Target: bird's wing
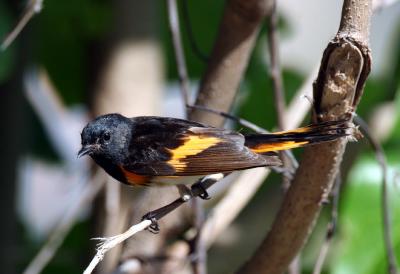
198, 151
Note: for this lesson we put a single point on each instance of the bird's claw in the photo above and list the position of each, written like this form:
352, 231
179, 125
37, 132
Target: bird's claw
203, 194
154, 227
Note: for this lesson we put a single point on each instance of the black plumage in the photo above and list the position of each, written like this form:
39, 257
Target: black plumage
148, 147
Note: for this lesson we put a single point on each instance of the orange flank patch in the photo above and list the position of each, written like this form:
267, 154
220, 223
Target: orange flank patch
262, 148
193, 145
133, 178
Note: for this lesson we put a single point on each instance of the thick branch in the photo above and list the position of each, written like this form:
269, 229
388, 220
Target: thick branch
344, 69
237, 34
226, 66
235, 41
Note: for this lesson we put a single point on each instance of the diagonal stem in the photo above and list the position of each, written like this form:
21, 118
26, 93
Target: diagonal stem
387, 230
173, 20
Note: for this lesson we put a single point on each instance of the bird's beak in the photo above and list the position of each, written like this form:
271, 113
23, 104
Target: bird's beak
85, 150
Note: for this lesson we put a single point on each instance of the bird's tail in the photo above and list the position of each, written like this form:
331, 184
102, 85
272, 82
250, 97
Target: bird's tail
311, 134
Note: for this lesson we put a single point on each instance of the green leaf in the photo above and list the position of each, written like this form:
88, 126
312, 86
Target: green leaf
360, 245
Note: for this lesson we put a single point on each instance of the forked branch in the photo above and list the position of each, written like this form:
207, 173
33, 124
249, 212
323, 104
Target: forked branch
344, 68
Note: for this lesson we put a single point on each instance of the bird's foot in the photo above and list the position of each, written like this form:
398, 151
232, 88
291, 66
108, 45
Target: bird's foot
203, 191
154, 227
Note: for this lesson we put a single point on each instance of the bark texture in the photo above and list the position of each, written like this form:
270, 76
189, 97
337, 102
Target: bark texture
237, 34
229, 59
344, 68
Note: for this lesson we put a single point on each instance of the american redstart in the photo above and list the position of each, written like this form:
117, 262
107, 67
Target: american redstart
152, 150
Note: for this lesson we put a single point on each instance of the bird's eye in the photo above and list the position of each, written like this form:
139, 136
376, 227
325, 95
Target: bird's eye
106, 136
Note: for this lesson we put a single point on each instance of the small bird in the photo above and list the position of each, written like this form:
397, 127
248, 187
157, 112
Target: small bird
150, 150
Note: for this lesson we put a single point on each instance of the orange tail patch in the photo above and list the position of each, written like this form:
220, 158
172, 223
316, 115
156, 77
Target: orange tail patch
312, 134
264, 148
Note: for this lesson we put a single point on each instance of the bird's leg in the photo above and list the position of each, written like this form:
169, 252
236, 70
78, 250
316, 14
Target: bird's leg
157, 214
154, 227
201, 186
185, 192
203, 191
197, 189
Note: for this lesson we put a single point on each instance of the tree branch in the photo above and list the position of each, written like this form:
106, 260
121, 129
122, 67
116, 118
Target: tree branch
331, 227
192, 41
198, 251
33, 7
235, 41
173, 20
275, 70
110, 242
237, 34
46, 253
248, 182
344, 68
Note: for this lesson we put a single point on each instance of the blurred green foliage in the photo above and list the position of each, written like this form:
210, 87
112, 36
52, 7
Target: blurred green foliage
359, 246
205, 29
7, 58
62, 35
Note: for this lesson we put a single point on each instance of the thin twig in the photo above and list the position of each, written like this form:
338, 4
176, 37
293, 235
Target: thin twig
387, 230
247, 124
277, 83
46, 253
237, 197
229, 57
299, 106
238, 120
295, 265
173, 21
192, 41
198, 249
33, 7
275, 69
331, 228
53, 114
108, 243
237, 34
248, 182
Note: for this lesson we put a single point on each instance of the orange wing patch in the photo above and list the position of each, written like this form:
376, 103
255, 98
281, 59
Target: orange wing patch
192, 145
133, 178
262, 148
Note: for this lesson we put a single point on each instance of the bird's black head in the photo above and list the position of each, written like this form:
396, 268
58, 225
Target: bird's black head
106, 137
